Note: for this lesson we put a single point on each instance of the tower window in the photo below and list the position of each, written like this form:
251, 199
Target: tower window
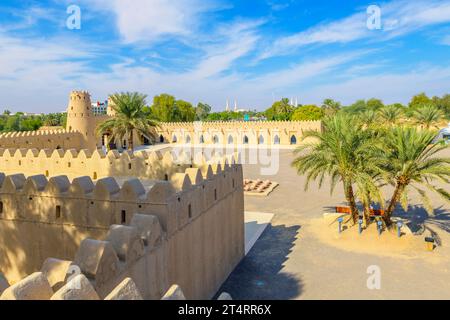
190, 211
58, 212
123, 217
129, 166
1, 207
215, 194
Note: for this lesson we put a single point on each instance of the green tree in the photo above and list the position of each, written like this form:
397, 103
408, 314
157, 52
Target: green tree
308, 112
357, 107
428, 116
185, 110
331, 107
130, 117
390, 114
368, 118
443, 104
419, 100
411, 161
280, 110
202, 111
30, 123
164, 108
12, 123
343, 152
374, 104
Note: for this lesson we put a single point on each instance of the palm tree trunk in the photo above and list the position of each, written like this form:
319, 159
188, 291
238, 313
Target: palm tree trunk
130, 143
366, 214
350, 197
394, 200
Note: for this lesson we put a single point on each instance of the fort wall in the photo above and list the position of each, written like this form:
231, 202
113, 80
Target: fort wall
42, 139
98, 164
195, 225
82, 123
238, 132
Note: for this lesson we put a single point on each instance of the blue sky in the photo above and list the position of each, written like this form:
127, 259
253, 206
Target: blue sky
213, 50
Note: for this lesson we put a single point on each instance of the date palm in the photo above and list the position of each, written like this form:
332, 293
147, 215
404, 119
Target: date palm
428, 116
342, 152
368, 118
130, 118
390, 114
411, 161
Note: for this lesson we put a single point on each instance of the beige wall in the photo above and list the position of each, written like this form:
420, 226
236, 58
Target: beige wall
42, 139
43, 218
233, 132
97, 164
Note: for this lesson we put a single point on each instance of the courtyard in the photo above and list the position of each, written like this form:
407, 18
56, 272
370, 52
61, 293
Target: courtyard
290, 260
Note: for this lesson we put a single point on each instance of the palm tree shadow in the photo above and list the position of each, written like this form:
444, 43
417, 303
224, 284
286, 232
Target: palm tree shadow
259, 276
418, 217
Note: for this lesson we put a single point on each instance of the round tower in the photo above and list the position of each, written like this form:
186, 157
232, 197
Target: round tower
80, 118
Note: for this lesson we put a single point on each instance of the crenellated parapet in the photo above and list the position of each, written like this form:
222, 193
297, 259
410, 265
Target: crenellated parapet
50, 200
41, 139
237, 132
197, 214
99, 164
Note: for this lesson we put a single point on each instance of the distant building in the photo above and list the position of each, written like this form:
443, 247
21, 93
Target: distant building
100, 107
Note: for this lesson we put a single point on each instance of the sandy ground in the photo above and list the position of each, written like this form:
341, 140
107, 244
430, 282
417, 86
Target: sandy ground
301, 257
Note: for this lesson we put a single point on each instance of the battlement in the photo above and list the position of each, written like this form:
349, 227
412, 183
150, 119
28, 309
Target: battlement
239, 124
98, 164
80, 95
112, 268
41, 139
238, 132
42, 217
48, 133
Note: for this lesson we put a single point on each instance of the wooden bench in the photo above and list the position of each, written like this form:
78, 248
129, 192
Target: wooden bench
373, 212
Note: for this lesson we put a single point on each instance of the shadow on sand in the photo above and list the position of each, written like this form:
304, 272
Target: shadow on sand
258, 275
418, 218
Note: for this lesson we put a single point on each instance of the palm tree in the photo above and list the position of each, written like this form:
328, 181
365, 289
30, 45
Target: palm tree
428, 116
390, 114
130, 117
411, 161
368, 118
341, 151
331, 107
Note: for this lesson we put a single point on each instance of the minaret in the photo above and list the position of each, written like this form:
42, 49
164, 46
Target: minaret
227, 109
235, 105
81, 119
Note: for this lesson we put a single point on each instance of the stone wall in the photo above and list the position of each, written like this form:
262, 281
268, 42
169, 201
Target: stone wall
42, 139
238, 132
98, 164
191, 228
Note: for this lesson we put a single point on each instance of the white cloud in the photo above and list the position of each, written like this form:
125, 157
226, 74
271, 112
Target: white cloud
398, 18
391, 87
148, 20
235, 41
38, 74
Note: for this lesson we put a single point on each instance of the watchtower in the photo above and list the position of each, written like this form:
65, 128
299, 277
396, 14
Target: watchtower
80, 118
